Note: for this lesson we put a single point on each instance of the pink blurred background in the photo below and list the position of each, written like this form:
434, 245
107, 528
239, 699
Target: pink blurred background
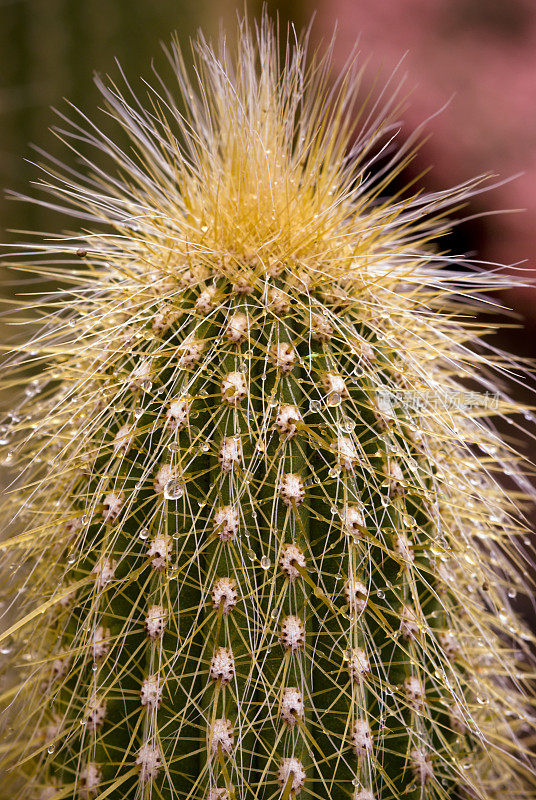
480, 55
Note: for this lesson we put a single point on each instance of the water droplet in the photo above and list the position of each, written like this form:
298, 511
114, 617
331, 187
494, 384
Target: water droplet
94, 666
381, 594
205, 447
347, 426
143, 534
173, 490
265, 562
314, 406
51, 749
512, 593
71, 558
333, 399
251, 555
334, 471
5, 435
334, 509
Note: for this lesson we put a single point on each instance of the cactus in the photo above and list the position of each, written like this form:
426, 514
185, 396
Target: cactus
258, 543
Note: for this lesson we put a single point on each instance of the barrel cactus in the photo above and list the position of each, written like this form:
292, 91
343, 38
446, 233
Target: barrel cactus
258, 544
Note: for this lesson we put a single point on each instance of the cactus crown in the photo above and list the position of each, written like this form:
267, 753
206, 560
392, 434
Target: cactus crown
259, 548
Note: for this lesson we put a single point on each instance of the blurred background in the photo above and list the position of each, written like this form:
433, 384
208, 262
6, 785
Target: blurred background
475, 59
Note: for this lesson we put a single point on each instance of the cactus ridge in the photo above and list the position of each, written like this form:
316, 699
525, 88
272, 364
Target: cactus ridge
259, 547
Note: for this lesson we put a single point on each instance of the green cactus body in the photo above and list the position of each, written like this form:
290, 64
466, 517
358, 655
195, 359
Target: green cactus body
259, 548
